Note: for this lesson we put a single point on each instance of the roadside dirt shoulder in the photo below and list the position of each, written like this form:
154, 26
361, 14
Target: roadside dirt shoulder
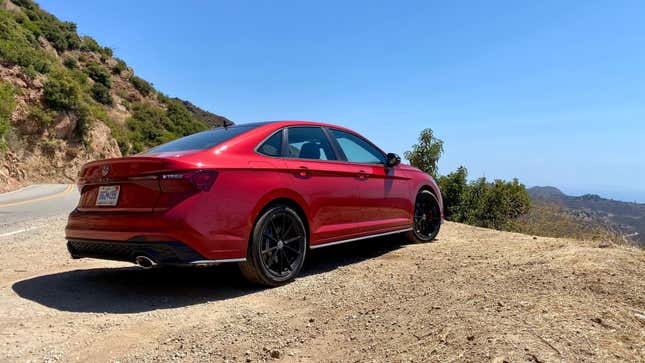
474, 295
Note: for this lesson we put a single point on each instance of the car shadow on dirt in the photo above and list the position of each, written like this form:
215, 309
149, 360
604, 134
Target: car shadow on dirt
133, 290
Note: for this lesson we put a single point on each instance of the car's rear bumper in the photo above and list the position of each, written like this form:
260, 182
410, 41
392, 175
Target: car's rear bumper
160, 252
115, 236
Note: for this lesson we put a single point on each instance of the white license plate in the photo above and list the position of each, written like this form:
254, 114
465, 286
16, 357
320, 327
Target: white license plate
108, 195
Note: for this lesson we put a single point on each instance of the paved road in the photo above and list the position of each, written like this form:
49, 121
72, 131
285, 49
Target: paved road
19, 208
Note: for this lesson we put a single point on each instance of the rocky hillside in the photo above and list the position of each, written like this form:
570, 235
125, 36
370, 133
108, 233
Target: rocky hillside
626, 218
65, 99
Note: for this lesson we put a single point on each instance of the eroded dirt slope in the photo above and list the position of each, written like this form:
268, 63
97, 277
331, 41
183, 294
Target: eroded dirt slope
474, 295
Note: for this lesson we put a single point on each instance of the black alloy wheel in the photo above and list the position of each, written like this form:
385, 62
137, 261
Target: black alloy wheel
278, 247
427, 218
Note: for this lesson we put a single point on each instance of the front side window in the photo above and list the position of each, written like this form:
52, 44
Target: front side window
308, 143
272, 146
356, 149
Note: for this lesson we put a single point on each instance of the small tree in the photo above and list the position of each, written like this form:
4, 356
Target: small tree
426, 153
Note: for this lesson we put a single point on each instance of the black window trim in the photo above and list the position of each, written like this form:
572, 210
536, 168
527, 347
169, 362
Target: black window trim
338, 151
336, 144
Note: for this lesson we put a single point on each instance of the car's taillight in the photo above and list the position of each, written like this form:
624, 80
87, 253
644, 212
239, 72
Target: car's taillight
201, 180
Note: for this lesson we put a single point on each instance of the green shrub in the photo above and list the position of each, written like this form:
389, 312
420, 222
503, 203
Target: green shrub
453, 191
146, 127
492, 205
182, 122
82, 58
60, 34
141, 85
19, 46
70, 63
89, 44
99, 74
102, 94
150, 125
42, 117
119, 67
107, 52
7, 105
62, 92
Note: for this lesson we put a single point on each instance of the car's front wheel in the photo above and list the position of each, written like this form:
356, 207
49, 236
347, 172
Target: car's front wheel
427, 218
277, 248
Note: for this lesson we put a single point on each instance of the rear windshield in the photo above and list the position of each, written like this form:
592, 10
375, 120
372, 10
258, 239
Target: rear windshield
201, 140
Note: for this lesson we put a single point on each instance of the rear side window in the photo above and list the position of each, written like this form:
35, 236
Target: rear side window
201, 140
308, 142
272, 146
356, 149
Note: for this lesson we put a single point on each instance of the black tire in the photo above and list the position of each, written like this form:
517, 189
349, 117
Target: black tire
427, 218
277, 248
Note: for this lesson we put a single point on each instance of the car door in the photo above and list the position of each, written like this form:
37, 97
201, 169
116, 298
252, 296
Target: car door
383, 191
328, 185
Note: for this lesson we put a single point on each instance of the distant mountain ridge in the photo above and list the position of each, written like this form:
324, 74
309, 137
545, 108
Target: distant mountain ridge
628, 218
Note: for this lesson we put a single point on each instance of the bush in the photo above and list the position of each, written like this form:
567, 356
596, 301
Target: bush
60, 34
99, 74
102, 94
453, 191
19, 46
43, 118
107, 52
150, 125
7, 105
496, 205
141, 85
182, 122
119, 67
492, 205
70, 63
62, 92
146, 127
89, 44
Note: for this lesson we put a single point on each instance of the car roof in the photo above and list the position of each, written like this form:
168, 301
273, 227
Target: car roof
284, 123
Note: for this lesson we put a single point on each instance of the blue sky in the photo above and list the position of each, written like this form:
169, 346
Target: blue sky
551, 92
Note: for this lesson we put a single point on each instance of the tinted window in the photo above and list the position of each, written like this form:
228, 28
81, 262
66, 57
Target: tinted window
356, 149
272, 146
308, 143
201, 140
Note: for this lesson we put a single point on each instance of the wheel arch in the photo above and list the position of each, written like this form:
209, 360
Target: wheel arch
288, 198
433, 188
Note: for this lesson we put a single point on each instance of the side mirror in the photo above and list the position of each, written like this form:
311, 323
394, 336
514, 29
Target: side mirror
392, 159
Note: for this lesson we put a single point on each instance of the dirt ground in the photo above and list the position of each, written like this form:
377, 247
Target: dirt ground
473, 295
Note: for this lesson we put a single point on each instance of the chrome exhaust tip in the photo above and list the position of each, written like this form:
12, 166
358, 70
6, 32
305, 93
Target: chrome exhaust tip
144, 262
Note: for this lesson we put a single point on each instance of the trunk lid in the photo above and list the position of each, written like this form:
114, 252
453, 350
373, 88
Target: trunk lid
136, 178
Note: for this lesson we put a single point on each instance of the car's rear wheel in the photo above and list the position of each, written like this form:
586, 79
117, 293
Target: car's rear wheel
427, 218
277, 249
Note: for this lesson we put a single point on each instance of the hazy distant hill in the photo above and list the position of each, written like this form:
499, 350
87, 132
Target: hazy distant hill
628, 218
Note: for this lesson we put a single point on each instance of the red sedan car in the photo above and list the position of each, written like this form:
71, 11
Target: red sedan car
259, 194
